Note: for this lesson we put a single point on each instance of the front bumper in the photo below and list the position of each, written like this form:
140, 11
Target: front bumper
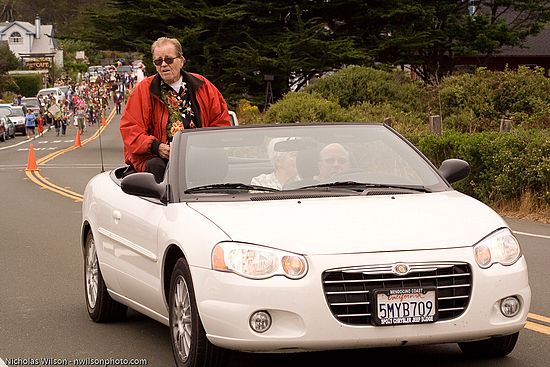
302, 320
20, 128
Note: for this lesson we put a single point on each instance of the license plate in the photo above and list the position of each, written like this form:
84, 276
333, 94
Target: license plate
401, 306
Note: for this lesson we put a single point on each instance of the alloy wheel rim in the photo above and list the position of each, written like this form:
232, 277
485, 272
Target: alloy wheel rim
92, 274
181, 319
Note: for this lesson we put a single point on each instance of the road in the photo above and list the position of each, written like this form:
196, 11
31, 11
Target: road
42, 309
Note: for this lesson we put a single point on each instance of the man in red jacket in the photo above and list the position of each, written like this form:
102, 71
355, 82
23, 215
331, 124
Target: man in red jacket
165, 103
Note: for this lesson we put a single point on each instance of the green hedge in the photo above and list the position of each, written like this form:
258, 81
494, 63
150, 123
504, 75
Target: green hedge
305, 107
477, 102
29, 85
354, 85
504, 165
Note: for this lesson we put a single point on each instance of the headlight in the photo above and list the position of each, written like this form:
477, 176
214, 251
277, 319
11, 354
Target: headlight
257, 262
500, 247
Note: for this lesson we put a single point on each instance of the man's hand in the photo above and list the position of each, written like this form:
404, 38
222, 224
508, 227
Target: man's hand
164, 151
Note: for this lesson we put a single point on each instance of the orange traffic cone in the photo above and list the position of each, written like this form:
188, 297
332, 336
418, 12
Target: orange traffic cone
31, 164
77, 140
103, 121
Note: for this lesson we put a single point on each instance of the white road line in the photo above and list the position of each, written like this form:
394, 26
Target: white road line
26, 140
532, 234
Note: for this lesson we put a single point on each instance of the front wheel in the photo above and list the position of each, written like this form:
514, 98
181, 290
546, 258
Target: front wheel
490, 348
190, 345
101, 307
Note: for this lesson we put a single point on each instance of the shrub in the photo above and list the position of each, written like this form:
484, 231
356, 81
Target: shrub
504, 166
305, 107
247, 113
7, 84
477, 102
407, 123
354, 85
29, 85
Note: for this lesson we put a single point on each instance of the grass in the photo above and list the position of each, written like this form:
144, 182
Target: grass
527, 207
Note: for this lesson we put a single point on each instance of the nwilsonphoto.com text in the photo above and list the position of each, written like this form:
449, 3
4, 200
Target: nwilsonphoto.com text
29, 361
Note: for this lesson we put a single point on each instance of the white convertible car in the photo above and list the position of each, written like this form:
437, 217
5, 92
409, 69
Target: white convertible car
302, 237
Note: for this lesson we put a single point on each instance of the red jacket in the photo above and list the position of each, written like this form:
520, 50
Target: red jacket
145, 116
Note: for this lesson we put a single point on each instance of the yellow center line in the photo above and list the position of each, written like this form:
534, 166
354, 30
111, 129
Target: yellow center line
539, 317
38, 179
537, 327
59, 189
31, 176
53, 155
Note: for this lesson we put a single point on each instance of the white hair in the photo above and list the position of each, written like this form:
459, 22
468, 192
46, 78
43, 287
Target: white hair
276, 156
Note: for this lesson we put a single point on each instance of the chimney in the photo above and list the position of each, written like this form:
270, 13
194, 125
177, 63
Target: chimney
37, 26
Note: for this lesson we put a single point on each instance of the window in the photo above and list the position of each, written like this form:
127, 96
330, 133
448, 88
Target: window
15, 37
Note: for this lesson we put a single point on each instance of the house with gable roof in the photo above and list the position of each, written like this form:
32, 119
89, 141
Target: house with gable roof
34, 44
533, 52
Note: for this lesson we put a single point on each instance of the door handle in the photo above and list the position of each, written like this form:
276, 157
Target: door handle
117, 215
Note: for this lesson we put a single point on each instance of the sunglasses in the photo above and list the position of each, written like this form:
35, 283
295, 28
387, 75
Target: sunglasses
331, 160
168, 60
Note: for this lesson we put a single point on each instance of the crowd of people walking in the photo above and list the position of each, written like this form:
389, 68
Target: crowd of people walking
84, 104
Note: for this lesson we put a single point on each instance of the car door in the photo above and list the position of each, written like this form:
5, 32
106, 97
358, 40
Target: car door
132, 227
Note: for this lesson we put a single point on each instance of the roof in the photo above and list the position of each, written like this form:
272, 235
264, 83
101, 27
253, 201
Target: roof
44, 44
535, 45
29, 28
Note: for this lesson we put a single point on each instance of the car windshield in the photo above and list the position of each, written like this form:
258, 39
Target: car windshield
12, 111
17, 111
30, 102
346, 157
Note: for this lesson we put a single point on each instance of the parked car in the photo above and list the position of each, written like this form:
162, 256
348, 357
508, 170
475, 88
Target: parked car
32, 103
366, 245
7, 128
124, 69
17, 116
57, 93
3, 129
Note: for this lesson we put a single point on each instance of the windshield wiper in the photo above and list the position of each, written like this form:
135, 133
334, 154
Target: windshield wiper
228, 186
361, 186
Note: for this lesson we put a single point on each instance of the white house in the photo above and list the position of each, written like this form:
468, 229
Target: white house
33, 43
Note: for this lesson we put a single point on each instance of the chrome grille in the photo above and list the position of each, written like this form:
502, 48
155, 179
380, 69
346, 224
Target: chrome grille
349, 291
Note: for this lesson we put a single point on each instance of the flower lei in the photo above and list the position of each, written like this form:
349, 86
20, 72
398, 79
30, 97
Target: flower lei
180, 114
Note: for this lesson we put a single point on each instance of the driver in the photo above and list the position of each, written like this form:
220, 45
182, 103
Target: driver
333, 159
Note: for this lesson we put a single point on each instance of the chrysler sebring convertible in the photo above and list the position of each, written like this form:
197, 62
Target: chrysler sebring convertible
302, 237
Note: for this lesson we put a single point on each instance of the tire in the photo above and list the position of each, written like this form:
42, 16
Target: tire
3, 137
190, 347
101, 307
490, 348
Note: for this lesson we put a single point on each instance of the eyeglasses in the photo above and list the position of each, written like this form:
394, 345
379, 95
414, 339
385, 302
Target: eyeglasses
332, 160
168, 60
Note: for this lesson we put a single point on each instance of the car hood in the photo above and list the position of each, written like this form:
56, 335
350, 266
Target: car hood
356, 223
17, 120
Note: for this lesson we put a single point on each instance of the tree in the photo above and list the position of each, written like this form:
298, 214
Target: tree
233, 43
432, 35
60, 13
8, 61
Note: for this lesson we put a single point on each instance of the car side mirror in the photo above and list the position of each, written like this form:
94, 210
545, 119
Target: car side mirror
142, 184
454, 169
